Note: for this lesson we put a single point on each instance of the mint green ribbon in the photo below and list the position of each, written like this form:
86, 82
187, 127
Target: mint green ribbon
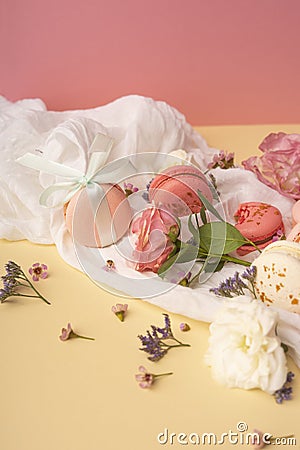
97, 173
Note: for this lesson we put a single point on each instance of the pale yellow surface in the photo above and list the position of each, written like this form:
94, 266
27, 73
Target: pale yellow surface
82, 395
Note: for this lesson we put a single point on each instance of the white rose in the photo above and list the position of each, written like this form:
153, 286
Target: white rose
244, 351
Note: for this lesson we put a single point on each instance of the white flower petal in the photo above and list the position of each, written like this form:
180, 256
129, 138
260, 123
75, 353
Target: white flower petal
244, 351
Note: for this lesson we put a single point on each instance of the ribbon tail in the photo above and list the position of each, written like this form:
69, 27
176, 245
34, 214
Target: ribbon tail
51, 167
72, 188
102, 143
115, 172
99, 153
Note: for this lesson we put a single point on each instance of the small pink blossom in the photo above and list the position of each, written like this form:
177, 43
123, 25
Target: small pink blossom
157, 230
109, 266
279, 166
38, 271
146, 379
279, 236
261, 440
68, 333
120, 310
223, 160
257, 440
130, 189
184, 326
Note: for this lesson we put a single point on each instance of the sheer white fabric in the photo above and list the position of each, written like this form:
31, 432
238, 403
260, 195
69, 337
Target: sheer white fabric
137, 125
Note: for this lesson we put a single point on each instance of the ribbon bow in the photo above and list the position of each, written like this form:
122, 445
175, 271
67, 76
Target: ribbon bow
96, 174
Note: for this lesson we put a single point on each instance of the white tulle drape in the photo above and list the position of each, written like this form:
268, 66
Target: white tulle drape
137, 125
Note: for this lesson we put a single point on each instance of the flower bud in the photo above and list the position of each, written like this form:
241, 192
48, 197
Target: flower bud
173, 233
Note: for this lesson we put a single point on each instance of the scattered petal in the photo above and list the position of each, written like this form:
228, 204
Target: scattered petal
223, 160
38, 271
109, 266
257, 439
184, 326
120, 310
68, 333
146, 379
129, 189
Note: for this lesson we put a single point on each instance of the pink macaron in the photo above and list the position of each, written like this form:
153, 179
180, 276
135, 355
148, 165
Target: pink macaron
294, 235
260, 223
175, 190
296, 213
107, 226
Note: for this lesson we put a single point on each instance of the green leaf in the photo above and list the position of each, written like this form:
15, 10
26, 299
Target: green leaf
203, 215
187, 253
209, 206
193, 230
166, 266
212, 267
219, 238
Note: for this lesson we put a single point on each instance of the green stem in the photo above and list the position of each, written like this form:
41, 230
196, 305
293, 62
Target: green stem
197, 221
224, 257
22, 278
179, 341
162, 374
24, 295
252, 289
235, 260
253, 244
177, 345
22, 284
84, 337
197, 275
35, 290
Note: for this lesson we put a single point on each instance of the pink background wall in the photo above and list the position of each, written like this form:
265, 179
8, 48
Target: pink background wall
217, 61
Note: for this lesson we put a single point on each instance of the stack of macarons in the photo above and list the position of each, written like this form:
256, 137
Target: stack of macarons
259, 222
175, 190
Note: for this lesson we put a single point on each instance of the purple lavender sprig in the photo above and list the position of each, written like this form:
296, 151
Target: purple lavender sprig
236, 285
157, 341
13, 280
285, 393
145, 195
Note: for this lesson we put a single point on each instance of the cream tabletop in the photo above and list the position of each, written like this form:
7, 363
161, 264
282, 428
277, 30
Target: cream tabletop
82, 395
